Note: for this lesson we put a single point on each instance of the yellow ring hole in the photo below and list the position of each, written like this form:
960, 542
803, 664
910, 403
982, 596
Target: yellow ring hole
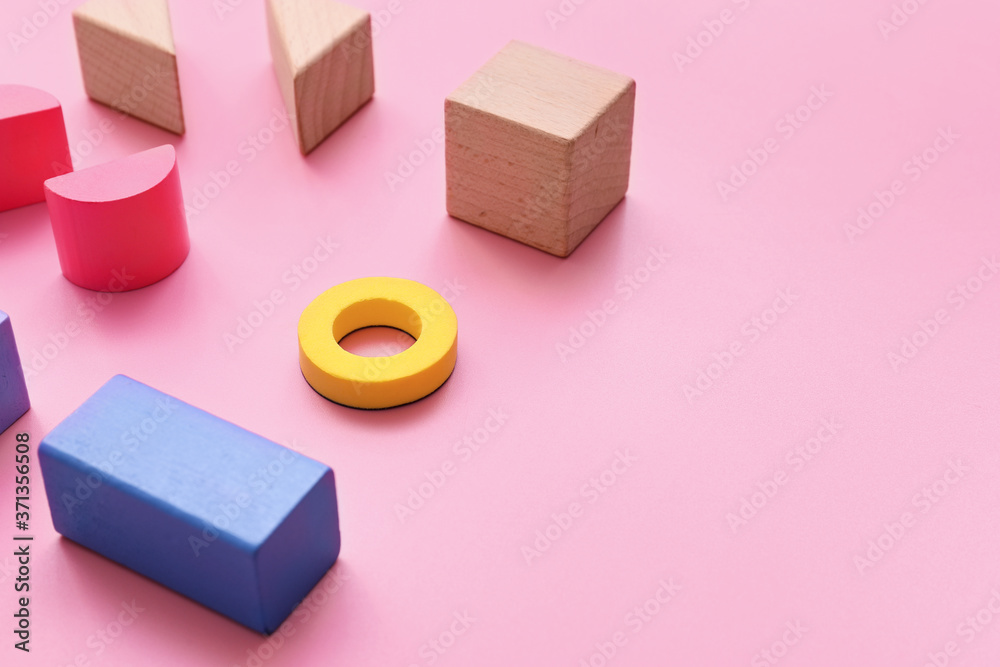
378, 382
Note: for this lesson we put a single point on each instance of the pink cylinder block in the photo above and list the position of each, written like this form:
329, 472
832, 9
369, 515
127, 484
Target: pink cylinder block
120, 225
33, 144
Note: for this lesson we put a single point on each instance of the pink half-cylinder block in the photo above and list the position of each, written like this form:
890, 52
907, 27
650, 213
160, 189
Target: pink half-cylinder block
33, 144
120, 225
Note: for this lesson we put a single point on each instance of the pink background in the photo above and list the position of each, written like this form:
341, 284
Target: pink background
399, 584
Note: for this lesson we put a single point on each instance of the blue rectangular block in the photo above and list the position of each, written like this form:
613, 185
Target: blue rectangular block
13, 392
228, 518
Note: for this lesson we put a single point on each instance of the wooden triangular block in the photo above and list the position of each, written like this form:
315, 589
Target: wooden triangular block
322, 52
128, 59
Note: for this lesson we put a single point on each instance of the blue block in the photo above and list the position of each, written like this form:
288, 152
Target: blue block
13, 392
228, 518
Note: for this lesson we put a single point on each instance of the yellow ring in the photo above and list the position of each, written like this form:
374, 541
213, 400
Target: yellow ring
378, 382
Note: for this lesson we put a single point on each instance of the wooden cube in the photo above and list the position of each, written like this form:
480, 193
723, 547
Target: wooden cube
322, 53
128, 60
538, 147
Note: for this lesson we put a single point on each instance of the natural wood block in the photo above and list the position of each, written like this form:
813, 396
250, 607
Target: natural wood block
33, 144
322, 52
128, 59
537, 147
120, 225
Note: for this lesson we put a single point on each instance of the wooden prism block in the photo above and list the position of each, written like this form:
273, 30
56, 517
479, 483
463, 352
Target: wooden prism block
128, 59
120, 225
230, 519
537, 147
13, 392
33, 144
322, 52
